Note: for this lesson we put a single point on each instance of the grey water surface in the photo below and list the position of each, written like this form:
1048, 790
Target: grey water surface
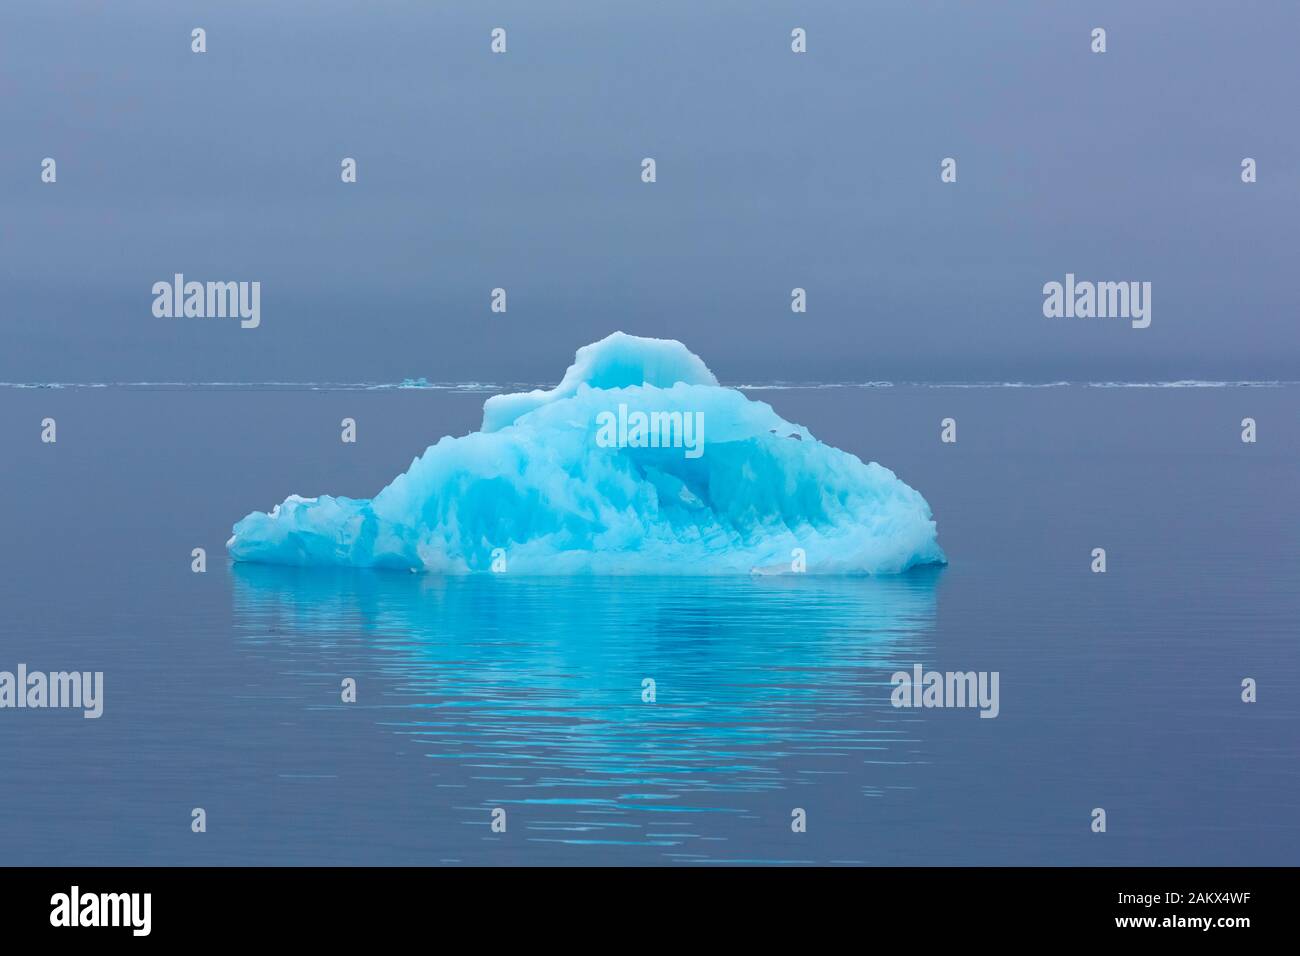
222, 690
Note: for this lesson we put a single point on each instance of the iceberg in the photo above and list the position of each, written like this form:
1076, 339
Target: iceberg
638, 462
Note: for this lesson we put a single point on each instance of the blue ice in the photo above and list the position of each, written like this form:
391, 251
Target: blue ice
638, 462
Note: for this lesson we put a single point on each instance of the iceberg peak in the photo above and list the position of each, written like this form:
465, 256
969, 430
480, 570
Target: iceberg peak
618, 360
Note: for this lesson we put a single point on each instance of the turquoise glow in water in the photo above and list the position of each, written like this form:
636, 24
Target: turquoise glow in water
534, 686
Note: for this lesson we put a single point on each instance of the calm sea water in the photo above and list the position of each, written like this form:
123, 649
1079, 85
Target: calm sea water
222, 689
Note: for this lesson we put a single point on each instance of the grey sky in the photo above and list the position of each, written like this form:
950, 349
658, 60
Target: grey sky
775, 170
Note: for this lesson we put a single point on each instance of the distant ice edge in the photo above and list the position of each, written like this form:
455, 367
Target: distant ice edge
534, 491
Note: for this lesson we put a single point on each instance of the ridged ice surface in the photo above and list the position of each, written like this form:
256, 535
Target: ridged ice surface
563, 481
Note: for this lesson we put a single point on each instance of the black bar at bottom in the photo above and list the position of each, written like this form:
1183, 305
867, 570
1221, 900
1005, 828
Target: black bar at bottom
333, 906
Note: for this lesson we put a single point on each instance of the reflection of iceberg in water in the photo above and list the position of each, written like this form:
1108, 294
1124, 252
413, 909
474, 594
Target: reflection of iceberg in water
529, 690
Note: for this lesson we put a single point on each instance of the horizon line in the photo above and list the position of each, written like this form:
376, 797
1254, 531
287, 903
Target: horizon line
422, 384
